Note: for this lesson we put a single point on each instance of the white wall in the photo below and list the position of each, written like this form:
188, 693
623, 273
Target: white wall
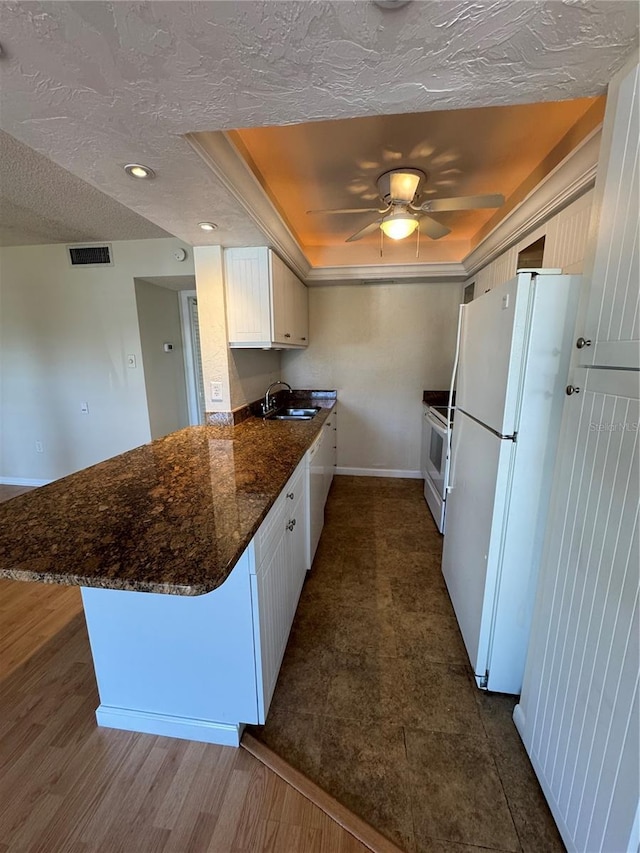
164, 372
64, 337
251, 373
379, 346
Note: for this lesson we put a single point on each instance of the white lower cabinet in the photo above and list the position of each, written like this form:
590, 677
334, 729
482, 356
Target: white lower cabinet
201, 667
280, 568
322, 458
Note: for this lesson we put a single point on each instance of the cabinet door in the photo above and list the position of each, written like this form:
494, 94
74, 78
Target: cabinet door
272, 587
248, 299
280, 567
613, 319
316, 496
301, 307
296, 539
282, 305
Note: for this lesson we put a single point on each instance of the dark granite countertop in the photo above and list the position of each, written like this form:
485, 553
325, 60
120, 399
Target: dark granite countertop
435, 398
172, 516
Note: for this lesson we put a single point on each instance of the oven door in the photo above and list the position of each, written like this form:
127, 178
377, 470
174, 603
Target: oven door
436, 452
436, 504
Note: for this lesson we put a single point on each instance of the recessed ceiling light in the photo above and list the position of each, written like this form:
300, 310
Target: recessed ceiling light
207, 226
137, 170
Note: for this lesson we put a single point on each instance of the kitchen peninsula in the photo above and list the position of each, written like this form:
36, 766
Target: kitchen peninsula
191, 552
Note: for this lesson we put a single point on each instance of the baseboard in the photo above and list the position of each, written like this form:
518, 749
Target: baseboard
349, 821
380, 472
22, 481
205, 731
519, 720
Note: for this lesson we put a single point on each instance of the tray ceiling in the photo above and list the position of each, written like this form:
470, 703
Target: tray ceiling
335, 164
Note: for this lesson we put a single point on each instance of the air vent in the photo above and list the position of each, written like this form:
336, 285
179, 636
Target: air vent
90, 256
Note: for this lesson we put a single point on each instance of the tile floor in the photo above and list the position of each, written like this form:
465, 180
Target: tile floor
375, 700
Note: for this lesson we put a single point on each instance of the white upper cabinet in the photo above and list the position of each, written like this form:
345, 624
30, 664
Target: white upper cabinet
267, 304
613, 319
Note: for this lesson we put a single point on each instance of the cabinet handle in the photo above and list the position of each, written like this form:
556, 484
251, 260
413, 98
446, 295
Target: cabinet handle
290, 495
303, 339
583, 342
287, 335
571, 389
291, 524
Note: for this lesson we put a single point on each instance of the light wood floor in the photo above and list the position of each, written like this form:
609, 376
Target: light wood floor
7, 492
67, 786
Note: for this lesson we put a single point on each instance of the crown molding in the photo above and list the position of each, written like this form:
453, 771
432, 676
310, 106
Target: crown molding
230, 169
386, 274
571, 178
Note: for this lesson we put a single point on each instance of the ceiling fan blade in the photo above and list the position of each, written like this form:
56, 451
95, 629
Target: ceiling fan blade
465, 202
432, 228
349, 210
368, 229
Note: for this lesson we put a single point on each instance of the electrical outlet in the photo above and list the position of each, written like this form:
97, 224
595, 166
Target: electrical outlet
216, 392
39, 447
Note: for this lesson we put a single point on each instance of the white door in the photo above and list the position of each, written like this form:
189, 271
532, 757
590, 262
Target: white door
192, 356
489, 377
480, 464
578, 713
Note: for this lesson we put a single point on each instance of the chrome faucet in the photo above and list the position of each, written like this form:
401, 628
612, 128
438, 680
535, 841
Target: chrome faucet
267, 406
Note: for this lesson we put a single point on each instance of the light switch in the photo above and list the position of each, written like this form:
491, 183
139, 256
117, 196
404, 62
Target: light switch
216, 392
131, 361
84, 408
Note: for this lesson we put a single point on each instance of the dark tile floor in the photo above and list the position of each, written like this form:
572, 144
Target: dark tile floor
375, 700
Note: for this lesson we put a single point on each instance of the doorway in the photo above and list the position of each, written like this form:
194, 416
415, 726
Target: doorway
192, 356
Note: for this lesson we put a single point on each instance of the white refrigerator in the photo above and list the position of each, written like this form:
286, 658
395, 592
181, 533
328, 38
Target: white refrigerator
514, 352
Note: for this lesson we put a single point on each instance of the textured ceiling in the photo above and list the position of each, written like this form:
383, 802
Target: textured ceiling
41, 202
94, 85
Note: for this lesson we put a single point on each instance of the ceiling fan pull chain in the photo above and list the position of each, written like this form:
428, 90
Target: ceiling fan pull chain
417, 242
381, 239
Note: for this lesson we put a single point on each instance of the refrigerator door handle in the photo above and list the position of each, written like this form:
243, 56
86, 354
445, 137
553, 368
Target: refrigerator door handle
448, 484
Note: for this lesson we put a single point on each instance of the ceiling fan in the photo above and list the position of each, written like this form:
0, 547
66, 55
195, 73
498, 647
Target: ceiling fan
403, 211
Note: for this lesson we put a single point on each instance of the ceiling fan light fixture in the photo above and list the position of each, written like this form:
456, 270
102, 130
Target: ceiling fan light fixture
399, 225
404, 185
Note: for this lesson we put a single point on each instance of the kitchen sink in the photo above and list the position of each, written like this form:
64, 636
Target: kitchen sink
293, 414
